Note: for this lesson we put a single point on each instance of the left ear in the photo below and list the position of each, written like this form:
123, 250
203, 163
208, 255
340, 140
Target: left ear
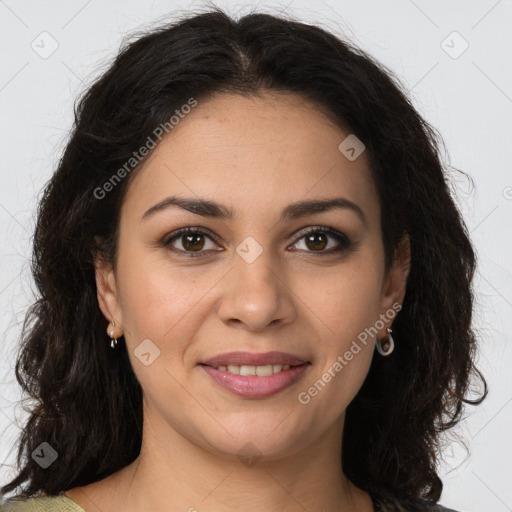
395, 283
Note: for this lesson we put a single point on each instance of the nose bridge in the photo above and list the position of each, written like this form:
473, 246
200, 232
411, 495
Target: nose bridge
254, 268
256, 294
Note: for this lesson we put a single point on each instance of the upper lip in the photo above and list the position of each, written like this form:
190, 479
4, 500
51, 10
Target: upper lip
254, 359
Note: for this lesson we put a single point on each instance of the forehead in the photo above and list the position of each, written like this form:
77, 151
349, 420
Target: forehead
267, 150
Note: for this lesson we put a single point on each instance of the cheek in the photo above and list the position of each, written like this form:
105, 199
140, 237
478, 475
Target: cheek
346, 304
346, 299
335, 385
158, 299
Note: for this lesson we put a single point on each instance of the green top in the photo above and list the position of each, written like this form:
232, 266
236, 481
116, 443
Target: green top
42, 504
64, 504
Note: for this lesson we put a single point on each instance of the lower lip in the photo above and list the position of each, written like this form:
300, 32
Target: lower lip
253, 386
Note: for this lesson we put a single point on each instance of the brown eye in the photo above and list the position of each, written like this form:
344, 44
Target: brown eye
190, 242
317, 240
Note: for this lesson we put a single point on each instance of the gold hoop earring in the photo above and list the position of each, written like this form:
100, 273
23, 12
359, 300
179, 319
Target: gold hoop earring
113, 340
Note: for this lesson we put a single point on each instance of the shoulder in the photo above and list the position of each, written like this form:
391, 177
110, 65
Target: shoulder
42, 504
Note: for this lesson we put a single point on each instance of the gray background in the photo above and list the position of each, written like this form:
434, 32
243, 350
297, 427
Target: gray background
467, 95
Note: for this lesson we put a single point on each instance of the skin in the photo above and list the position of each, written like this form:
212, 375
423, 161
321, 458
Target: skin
256, 155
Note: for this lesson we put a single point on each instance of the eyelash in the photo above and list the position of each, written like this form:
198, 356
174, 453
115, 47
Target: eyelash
344, 242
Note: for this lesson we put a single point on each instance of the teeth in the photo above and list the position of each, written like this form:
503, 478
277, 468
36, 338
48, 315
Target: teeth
260, 371
247, 370
264, 371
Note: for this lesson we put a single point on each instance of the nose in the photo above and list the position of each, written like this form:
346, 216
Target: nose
256, 295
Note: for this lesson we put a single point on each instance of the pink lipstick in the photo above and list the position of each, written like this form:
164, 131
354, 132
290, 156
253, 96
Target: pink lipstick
252, 375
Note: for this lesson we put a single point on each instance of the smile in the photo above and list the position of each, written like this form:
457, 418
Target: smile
255, 375
260, 371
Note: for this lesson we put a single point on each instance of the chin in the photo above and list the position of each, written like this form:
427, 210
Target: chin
256, 443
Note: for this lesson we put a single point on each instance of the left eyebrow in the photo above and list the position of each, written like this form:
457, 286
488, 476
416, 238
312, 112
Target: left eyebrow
207, 208
303, 208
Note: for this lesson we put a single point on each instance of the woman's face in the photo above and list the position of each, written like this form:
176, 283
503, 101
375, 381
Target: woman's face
254, 282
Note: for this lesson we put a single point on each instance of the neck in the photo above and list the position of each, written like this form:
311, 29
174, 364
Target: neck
173, 473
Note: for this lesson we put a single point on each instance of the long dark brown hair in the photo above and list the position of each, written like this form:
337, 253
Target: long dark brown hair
85, 400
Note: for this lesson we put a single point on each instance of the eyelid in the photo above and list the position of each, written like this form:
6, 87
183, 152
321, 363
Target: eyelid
324, 229
190, 229
343, 240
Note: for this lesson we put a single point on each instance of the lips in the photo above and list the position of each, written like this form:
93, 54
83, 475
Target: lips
255, 376
254, 359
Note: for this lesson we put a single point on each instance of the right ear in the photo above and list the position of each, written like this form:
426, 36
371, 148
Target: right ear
107, 289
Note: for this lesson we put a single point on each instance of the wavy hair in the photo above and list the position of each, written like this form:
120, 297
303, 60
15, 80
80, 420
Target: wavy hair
85, 400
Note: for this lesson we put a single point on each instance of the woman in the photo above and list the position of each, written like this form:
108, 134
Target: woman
245, 210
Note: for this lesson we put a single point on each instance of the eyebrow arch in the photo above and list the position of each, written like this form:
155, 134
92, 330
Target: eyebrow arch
207, 208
